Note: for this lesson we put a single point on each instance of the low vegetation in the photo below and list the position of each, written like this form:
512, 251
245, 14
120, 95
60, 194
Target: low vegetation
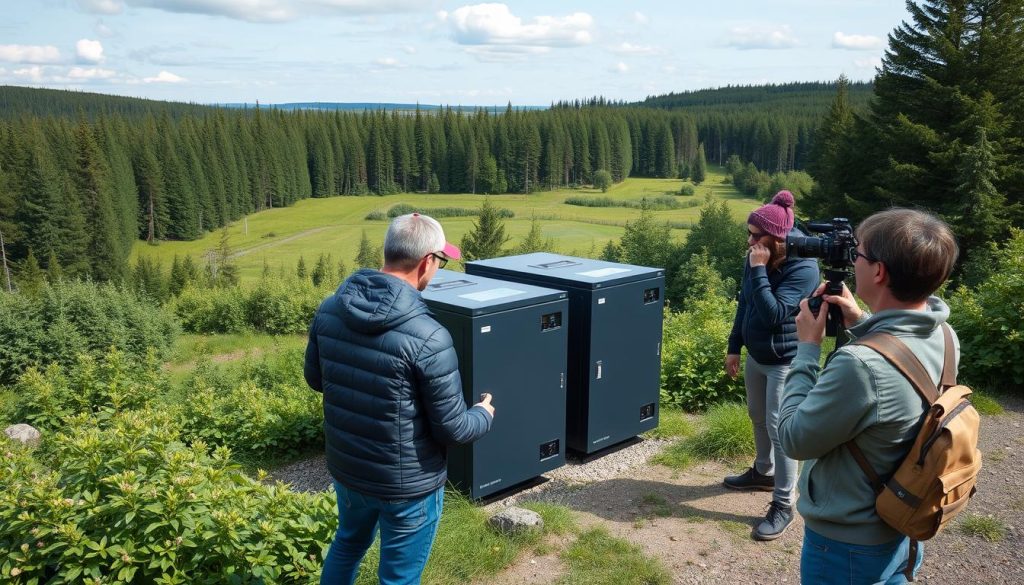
725, 434
989, 527
598, 557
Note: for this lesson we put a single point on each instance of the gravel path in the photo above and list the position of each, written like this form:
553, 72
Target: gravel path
700, 530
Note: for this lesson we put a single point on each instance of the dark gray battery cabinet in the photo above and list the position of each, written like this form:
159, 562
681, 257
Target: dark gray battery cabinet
614, 341
512, 341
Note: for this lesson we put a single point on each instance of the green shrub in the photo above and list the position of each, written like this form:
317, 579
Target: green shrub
282, 307
688, 190
439, 212
988, 322
70, 318
260, 410
276, 306
132, 503
693, 355
660, 203
376, 215
211, 310
100, 387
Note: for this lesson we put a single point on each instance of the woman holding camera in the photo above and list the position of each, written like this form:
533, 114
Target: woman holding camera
772, 288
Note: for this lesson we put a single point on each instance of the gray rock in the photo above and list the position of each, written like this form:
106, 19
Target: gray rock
24, 434
515, 520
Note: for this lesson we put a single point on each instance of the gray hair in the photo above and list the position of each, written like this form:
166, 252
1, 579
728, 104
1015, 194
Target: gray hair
410, 238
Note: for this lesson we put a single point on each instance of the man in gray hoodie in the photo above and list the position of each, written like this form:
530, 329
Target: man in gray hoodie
902, 257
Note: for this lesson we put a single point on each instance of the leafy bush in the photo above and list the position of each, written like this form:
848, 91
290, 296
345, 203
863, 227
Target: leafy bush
693, 353
687, 190
103, 387
264, 408
988, 321
282, 307
376, 215
132, 503
69, 318
277, 306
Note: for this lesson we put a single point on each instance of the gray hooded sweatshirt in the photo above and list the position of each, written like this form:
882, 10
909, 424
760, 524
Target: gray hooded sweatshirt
859, 396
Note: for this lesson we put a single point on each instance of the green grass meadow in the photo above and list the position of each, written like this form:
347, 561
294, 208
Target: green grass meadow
334, 225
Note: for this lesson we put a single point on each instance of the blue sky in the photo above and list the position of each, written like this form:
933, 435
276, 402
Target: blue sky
434, 51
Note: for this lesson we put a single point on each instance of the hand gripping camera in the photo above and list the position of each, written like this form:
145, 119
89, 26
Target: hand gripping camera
835, 247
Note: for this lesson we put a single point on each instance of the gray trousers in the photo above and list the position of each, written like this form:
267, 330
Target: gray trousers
764, 396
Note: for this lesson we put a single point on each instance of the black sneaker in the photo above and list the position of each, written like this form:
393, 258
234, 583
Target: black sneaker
775, 523
750, 480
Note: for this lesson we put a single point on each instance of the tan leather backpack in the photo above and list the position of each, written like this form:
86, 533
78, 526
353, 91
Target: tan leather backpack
937, 478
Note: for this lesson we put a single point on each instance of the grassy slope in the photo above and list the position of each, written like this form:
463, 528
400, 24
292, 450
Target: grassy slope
334, 225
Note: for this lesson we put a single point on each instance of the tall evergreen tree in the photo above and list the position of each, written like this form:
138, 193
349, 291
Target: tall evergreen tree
486, 238
699, 171
369, 256
92, 186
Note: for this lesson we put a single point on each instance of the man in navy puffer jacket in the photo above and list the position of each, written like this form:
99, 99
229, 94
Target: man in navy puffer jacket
392, 404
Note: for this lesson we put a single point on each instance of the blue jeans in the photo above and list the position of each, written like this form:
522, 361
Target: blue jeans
407, 531
829, 562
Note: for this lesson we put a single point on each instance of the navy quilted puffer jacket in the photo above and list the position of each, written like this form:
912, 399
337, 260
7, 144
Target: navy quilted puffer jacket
392, 392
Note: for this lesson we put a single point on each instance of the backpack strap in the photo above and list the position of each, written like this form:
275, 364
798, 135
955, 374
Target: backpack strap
948, 379
899, 355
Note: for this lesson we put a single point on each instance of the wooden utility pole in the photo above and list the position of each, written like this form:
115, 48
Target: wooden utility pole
7, 271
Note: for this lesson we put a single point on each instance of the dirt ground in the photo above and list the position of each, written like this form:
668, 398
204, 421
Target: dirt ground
701, 531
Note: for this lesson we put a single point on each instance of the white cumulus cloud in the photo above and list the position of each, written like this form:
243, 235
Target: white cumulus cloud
857, 42
29, 53
164, 77
631, 49
388, 63
89, 51
90, 73
34, 73
103, 30
620, 67
494, 24
640, 18
762, 37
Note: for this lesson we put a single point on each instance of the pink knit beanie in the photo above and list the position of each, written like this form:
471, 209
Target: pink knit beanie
775, 218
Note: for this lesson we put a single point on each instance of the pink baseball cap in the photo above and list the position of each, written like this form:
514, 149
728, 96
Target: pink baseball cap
452, 251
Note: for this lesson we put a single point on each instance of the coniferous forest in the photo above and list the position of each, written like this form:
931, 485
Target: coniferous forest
78, 185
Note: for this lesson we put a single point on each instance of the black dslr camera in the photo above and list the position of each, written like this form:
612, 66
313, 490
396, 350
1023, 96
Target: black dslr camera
835, 247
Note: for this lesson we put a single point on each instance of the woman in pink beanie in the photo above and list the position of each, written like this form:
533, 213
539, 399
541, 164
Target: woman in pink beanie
772, 288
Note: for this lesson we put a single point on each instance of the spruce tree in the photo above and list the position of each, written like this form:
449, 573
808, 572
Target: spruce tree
92, 186
300, 269
535, 240
369, 256
700, 167
486, 238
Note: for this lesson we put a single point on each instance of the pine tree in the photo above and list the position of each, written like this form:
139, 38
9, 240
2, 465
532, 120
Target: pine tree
369, 256
488, 236
300, 269
700, 167
646, 241
980, 200
92, 187
31, 278
54, 273
611, 252
535, 240
321, 274
342, 270
221, 267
